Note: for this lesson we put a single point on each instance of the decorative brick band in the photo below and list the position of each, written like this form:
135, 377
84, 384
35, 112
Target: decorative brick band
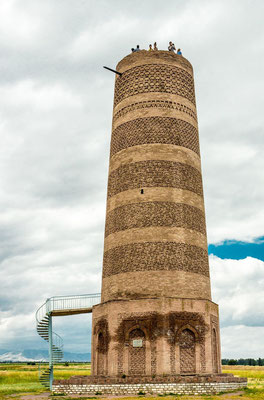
156, 284
142, 215
155, 152
142, 79
164, 130
155, 174
155, 256
175, 98
164, 104
155, 194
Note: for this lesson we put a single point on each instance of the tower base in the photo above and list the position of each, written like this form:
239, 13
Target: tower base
155, 337
184, 385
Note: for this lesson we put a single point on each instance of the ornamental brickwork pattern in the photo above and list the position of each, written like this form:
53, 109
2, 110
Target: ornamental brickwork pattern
137, 355
155, 174
187, 351
163, 104
154, 78
155, 213
155, 256
164, 130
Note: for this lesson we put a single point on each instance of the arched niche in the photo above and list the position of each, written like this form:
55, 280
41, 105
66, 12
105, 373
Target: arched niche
136, 351
214, 351
186, 339
101, 353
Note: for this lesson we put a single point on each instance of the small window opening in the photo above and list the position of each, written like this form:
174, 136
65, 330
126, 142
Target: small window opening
142, 191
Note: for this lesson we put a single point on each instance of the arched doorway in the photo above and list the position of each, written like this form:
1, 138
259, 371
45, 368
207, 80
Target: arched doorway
214, 351
137, 352
101, 354
187, 351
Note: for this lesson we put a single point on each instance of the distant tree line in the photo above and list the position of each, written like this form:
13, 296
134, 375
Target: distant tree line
243, 361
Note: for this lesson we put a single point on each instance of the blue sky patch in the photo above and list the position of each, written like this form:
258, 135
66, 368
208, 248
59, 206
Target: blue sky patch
238, 250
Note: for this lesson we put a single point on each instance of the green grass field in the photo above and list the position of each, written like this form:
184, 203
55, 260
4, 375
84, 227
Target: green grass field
18, 379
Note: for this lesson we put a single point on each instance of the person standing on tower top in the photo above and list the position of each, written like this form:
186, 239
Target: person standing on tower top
155, 46
171, 46
150, 47
137, 48
179, 52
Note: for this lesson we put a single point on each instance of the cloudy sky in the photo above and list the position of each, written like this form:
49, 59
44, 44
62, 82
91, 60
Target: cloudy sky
55, 125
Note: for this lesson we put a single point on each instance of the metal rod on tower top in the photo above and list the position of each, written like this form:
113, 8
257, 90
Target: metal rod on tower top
113, 70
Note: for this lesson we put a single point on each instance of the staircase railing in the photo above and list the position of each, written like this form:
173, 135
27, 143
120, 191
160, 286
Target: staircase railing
74, 302
53, 306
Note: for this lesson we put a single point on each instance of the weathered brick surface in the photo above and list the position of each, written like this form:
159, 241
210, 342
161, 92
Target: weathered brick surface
155, 194
156, 283
155, 152
155, 130
137, 356
181, 385
155, 173
174, 333
187, 351
101, 354
141, 215
214, 347
155, 256
157, 57
154, 78
157, 379
155, 104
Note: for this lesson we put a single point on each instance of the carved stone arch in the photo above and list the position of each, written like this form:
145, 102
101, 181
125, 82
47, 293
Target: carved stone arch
187, 326
137, 326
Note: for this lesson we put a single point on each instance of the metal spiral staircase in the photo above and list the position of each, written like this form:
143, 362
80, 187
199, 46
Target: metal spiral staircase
59, 306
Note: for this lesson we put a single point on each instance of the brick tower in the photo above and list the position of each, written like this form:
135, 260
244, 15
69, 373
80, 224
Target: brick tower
156, 316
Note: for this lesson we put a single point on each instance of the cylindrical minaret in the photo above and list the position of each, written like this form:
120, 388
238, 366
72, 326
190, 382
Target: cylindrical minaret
156, 315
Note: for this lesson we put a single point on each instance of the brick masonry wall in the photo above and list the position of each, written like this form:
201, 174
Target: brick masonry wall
154, 145
155, 130
157, 256
154, 106
155, 213
155, 78
145, 284
163, 385
176, 335
155, 251
157, 57
155, 174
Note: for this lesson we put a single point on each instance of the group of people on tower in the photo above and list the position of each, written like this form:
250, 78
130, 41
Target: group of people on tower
171, 47
154, 48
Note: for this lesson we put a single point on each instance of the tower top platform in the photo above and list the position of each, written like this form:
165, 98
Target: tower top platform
153, 57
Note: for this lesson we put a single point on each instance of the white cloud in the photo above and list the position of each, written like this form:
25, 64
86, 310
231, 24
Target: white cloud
38, 97
237, 286
55, 122
17, 27
242, 342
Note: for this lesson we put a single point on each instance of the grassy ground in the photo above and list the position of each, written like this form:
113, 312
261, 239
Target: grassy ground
17, 380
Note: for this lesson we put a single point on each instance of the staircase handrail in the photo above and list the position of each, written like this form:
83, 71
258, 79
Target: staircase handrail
44, 315
67, 302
